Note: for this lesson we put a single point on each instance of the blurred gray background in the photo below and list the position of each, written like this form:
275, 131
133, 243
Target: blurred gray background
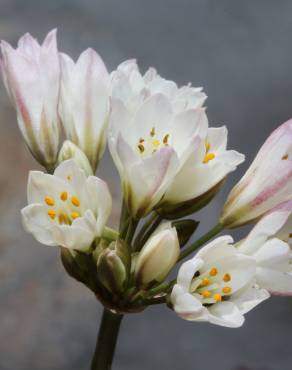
241, 52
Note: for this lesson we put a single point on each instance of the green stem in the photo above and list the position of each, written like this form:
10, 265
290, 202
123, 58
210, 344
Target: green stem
161, 288
206, 237
110, 234
106, 341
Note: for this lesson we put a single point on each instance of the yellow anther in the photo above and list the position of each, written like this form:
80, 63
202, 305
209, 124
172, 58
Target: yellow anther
75, 215
75, 201
63, 219
208, 157
141, 148
217, 297
156, 143
213, 272
165, 139
69, 178
52, 213
152, 131
290, 235
64, 195
226, 290
286, 156
226, 278
205, 281
141, 140
207, 146
50, 201
206, 294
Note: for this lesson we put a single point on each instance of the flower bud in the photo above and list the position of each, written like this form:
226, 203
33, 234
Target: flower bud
71, 151
113, 267
31, 75
266, 184
157, 257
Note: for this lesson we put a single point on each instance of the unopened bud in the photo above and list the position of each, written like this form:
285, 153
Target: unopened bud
113, 267
71, 151
157, 257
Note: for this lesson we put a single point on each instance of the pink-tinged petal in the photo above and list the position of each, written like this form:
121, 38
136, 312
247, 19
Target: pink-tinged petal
31, 76
266, 184
29, 46
84, 102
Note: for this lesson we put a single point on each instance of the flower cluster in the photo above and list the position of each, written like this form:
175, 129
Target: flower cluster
171, 164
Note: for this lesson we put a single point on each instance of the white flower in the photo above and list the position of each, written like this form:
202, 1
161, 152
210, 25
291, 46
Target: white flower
31, 76
151, 141
67, 208
269, 244
129, 86
208, 165
158, 256
266, 184
217, 285
84, 102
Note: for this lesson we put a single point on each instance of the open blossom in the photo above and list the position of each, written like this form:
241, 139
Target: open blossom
266, 184
67, 208
150, 143
31, 76
217, 285
209, 164
133, 88
84, 102
158, 256
269, 243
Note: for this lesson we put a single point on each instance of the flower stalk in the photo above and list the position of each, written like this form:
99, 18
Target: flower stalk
106, 341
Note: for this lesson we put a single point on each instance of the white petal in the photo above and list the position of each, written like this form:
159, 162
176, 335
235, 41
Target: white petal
226, 314
36, 221
187, 272
276, 282
72, 237
187, 306
249, 297
100, 201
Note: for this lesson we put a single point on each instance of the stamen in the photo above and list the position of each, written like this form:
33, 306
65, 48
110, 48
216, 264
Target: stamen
207, 146
226, 290
206, 294
165, 139
152, 132
75, 201
226, 278
141, 148
286, 156
208, 157
213, 272
52, 214
63, 219
64, 195
290, 235
217, 297
75, 215
69, 178
205, 281
50, 201
141, 140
